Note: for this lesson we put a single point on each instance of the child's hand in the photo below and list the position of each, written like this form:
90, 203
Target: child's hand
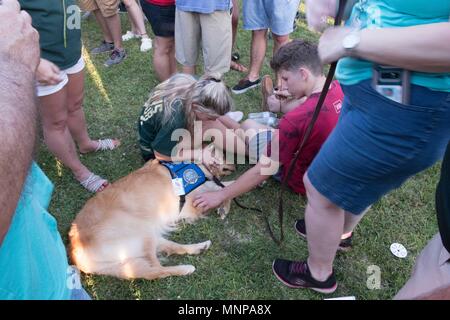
48, 74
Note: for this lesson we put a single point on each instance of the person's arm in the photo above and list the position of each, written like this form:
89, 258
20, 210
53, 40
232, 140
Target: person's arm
250, 179
19, 55
441, 293
423, 48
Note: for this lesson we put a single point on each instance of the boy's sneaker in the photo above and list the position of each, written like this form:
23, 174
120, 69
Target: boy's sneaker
129, 35
146, 44
344, 245
116, 57
245, 85
103, 47
296, 274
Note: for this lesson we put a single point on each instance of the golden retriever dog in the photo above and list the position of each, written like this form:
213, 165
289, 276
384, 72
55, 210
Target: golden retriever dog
121, 230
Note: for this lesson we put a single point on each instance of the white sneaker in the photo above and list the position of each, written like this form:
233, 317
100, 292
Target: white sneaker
129, 35
235, 115
146, 44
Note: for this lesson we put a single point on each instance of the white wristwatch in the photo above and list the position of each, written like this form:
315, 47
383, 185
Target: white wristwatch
351, 41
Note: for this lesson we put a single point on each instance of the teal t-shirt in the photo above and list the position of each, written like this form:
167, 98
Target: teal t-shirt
156, 136
390, 14
33, 260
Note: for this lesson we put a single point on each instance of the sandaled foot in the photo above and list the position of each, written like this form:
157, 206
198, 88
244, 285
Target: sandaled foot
94, 183
101, 145
238, 67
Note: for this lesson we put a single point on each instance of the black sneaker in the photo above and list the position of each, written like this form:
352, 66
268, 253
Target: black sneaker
296, 274
245, 85
344, 245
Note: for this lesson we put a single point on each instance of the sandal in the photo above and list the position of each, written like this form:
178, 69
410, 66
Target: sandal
104, 144
238, 67
94, 183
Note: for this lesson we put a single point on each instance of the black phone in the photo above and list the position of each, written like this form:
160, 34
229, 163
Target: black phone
393, 83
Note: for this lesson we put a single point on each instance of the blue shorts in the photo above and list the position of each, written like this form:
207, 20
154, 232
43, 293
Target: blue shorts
378, 144
278, 15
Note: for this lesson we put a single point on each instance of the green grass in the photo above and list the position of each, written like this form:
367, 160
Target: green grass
238, 264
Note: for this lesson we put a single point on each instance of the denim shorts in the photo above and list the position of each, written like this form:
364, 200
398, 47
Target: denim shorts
161, 18
378, 144
278, 15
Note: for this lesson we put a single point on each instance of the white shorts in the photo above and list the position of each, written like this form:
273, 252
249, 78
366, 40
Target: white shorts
48, 90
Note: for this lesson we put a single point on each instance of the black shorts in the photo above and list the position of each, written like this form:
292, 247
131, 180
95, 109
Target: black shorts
161, 18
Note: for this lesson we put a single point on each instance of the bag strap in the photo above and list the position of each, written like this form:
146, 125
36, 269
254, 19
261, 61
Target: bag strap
323, 95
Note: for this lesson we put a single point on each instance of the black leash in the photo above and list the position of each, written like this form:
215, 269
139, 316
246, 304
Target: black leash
326, 87
220, 184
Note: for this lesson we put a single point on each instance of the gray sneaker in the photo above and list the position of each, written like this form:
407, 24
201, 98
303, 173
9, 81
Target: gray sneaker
116, 57
104, 47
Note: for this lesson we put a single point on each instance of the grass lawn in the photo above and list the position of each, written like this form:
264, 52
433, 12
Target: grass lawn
238, 264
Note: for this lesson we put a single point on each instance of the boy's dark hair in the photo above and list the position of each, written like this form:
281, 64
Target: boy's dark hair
296, 54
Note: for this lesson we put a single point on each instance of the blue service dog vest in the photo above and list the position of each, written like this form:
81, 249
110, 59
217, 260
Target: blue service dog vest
190, 173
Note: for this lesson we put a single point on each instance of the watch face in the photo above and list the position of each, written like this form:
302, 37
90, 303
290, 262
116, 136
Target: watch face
351, 41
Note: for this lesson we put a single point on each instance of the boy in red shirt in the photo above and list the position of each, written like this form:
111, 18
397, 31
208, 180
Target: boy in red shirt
301, 72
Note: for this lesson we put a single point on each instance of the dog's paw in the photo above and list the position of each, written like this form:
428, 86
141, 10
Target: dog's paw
187, 269
221, 212
205, 246
200, 247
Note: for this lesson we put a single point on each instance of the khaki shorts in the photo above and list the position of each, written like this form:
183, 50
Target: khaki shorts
108, 8
212, 32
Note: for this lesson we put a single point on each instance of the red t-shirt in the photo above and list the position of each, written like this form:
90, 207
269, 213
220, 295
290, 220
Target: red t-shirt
292, 129
161, 2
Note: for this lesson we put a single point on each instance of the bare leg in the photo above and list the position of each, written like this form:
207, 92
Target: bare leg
102, 22
170, 247
115, 30
164, 57
278, 41
234, 21
136, 17
325, 225
76, 120
54, 113
258, 52
351, 221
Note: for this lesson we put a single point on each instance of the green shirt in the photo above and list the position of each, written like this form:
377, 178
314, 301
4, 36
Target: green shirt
59, 25
156, 136
389, 14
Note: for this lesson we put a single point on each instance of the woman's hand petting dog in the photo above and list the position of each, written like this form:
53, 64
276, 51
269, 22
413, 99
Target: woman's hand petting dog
209, 200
